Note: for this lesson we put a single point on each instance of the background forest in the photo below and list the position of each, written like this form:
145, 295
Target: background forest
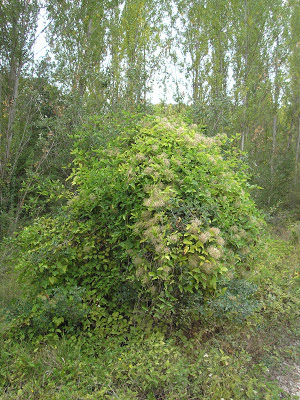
149, 199
230, 67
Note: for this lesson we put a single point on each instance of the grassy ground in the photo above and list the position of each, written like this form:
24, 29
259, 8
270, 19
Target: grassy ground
219, 357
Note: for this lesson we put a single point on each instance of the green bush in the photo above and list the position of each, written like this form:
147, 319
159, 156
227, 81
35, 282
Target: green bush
238, 301
61, 310
157, 216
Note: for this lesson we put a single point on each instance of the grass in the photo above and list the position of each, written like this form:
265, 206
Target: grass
217, 357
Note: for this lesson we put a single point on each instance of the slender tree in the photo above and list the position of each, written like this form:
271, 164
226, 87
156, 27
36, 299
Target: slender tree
18, 20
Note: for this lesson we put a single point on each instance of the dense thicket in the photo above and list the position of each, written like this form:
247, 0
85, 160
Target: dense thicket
132, 145
157, 216
230, 67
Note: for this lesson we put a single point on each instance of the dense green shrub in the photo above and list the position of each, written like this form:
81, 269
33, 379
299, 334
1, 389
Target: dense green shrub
237, 302
59, 310
157, 215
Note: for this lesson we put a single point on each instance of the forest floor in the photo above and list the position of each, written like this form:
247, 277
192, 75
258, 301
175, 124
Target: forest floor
287, 370
219, 357
288, 374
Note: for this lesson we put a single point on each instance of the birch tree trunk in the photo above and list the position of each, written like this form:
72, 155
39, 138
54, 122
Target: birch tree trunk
18, 26
297, 152
245, 99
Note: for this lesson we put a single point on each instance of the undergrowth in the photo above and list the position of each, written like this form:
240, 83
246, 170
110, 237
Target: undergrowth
222, 354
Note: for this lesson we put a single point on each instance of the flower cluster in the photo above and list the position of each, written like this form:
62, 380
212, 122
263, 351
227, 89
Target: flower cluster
194, 226
204, 236
199, 139
159, 197
164, 158
214, 252
210, 251
140, 157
